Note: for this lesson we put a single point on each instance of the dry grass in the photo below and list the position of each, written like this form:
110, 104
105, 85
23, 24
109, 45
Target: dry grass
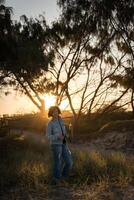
26, 169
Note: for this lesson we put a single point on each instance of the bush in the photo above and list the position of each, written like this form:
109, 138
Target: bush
118, 126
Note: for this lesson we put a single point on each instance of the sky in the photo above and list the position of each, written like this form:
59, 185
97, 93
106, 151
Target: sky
14, 103
32, 8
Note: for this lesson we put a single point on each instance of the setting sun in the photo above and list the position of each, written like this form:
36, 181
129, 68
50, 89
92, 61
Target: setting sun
50, 100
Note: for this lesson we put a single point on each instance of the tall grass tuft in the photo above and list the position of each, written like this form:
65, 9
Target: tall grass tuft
28, 164
93, 167
23, 163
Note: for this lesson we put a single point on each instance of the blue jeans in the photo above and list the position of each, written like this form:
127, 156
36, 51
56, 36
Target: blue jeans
61, 152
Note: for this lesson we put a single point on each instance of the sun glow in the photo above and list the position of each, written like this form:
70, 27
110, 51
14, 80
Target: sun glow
64, 104
50, 100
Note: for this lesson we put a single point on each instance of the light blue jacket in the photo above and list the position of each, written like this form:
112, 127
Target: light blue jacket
54, 130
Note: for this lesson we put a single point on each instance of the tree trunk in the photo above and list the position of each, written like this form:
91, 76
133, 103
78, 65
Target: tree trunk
132, 103
42, 108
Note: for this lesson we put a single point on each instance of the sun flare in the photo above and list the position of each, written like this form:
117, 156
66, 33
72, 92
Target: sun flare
50, 100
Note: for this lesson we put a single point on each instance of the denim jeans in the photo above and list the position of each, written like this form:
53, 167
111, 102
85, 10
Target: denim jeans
61, 153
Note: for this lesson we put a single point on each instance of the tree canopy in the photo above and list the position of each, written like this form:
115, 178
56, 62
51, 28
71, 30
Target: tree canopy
24, 55
107, 27
92, 41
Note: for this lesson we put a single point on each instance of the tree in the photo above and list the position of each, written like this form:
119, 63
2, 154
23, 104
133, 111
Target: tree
5, 29
24, 58
92, 38
126, 80
108, 23
85, 39
74, 63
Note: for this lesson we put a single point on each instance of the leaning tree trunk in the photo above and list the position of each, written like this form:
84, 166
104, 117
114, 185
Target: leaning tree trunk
132, 103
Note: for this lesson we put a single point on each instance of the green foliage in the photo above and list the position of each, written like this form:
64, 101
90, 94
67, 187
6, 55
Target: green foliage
24, 45
90, 29
25, 54
106, 29
125, 80
96, 13
101, 19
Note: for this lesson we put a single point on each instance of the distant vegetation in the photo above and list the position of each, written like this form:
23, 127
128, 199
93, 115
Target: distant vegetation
88, 126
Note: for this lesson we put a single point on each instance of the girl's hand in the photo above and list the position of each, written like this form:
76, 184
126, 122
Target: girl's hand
61, 137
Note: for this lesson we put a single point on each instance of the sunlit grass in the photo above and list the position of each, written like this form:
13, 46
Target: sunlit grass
28, 164
24, 163
93, 167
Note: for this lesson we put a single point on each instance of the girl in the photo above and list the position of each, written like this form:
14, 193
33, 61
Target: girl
56, 134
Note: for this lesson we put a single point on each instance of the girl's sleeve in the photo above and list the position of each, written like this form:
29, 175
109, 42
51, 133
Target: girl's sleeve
49, 133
